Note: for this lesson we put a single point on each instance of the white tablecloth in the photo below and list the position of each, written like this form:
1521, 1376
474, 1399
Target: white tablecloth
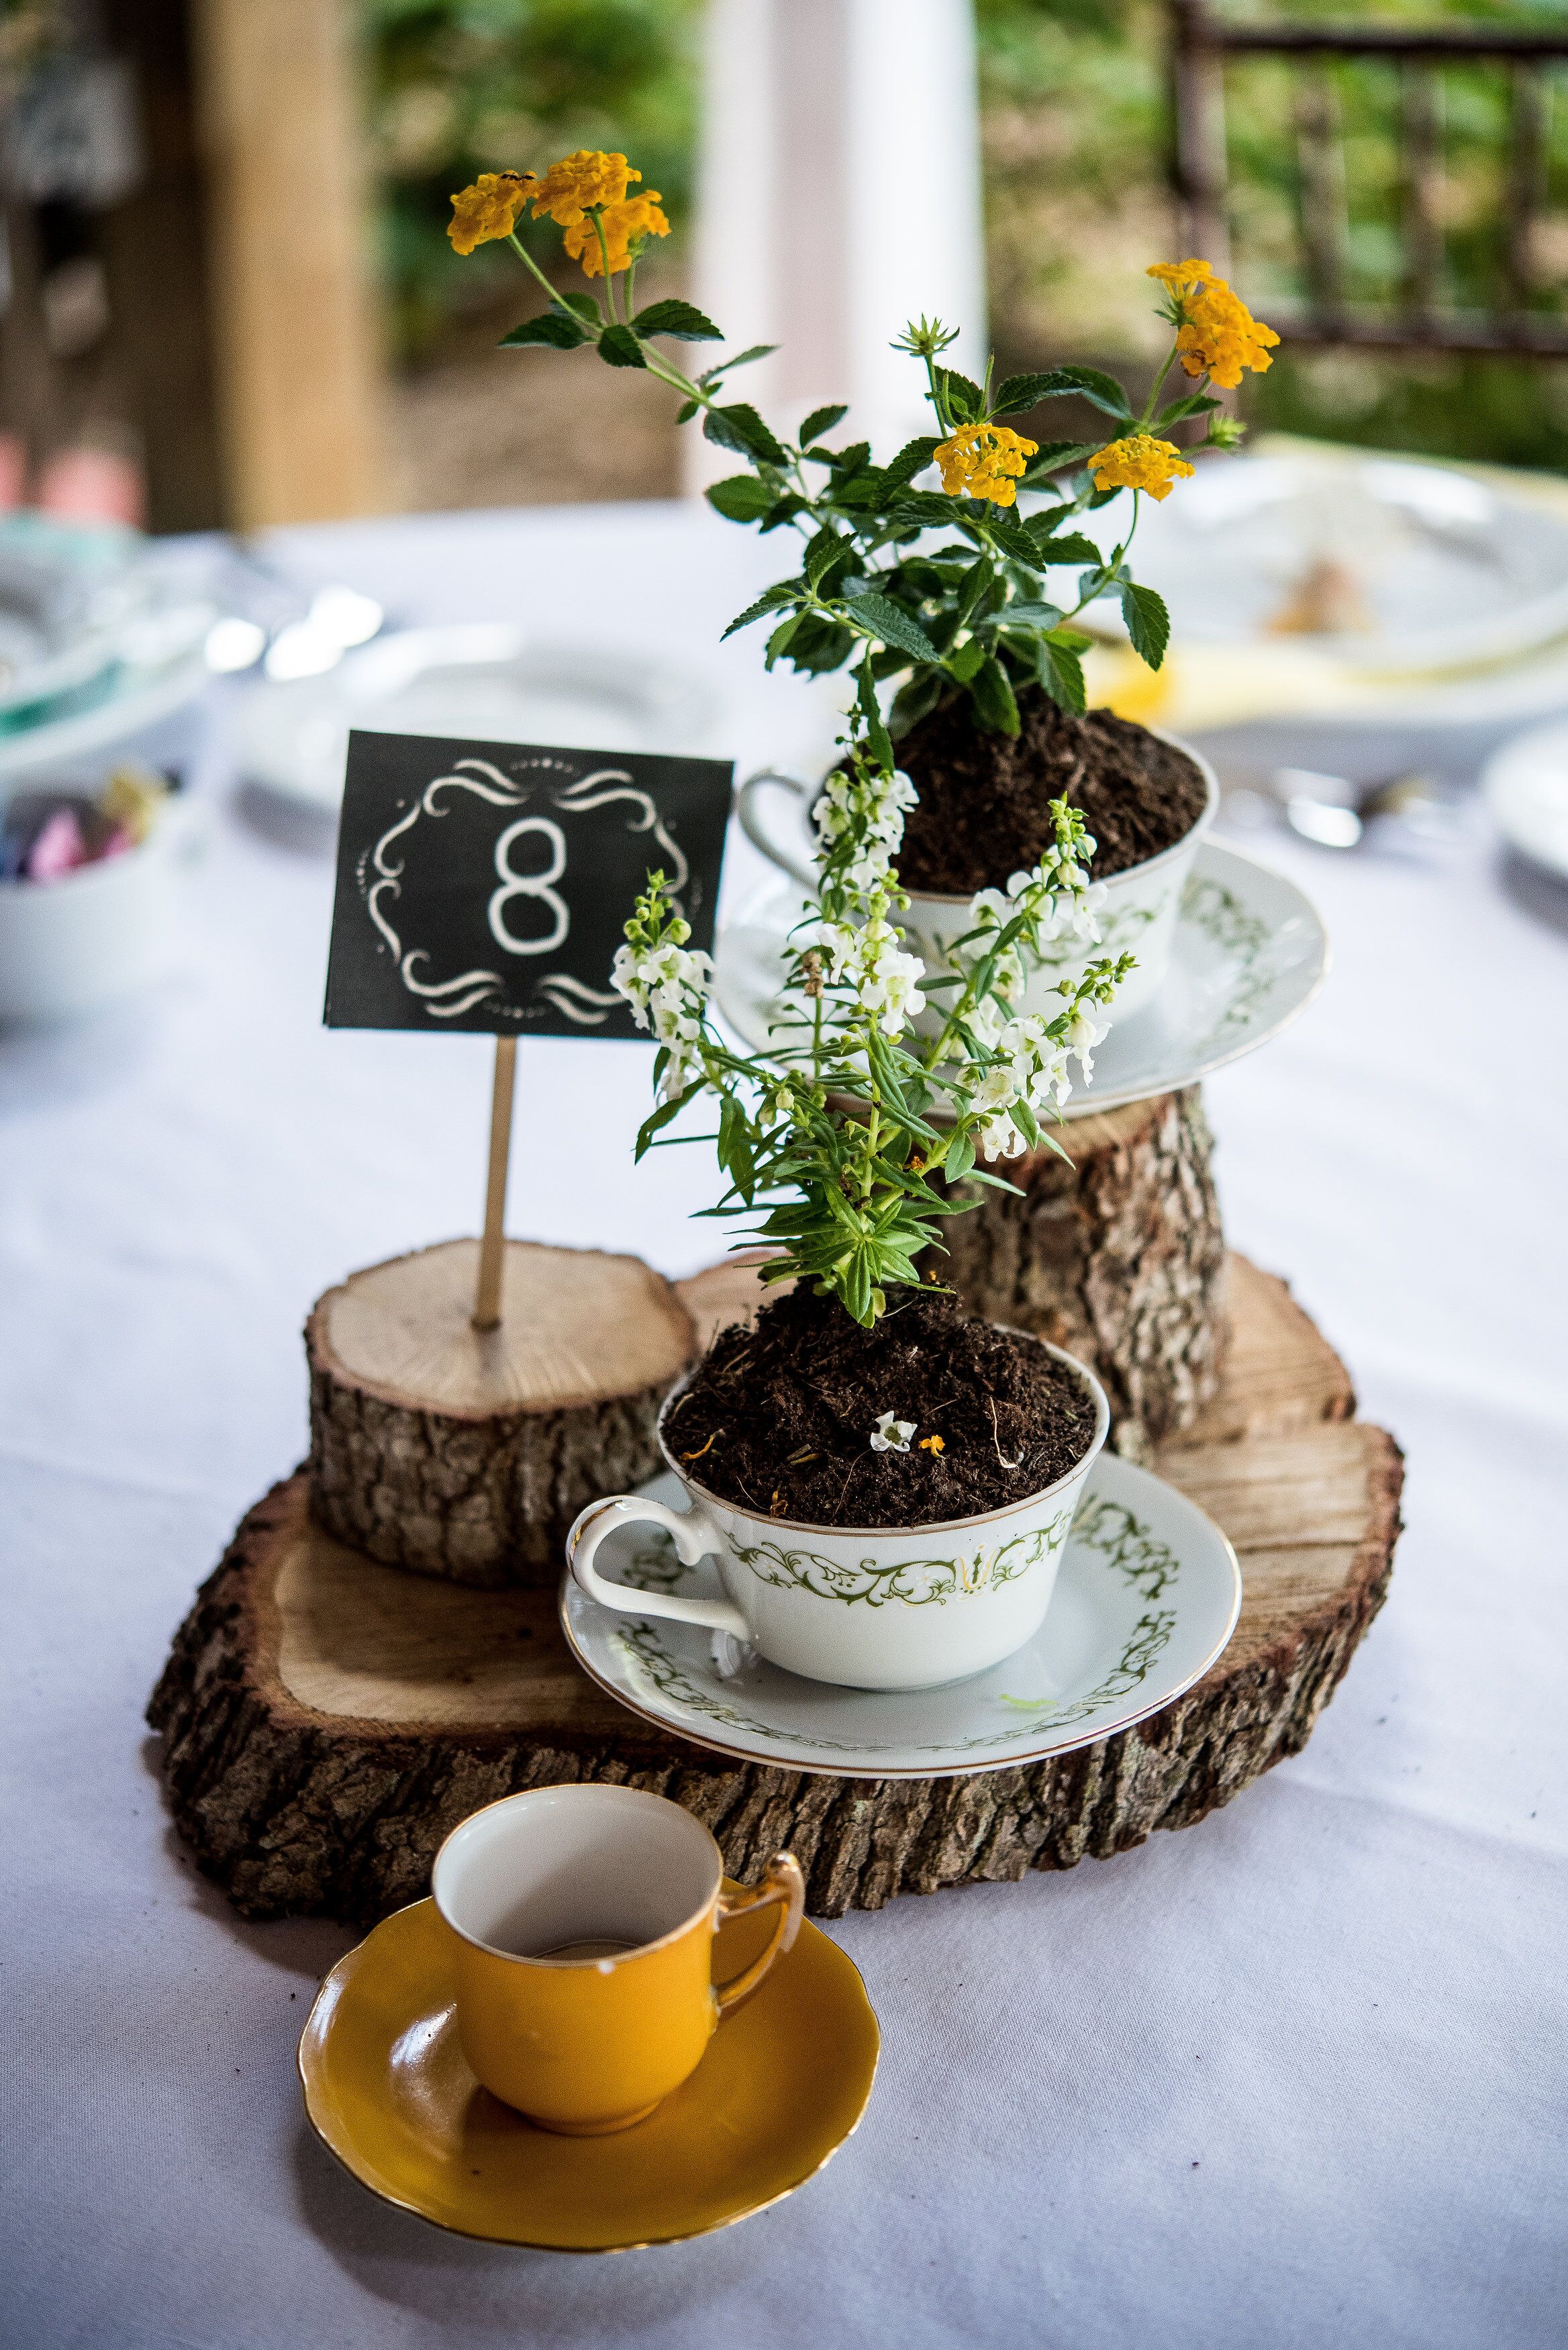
1298, 2075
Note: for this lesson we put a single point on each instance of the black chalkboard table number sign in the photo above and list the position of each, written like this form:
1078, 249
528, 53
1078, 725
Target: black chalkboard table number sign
468, 1400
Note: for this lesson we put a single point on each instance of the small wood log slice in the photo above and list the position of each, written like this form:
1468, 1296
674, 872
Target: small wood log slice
325, 1723
1119, 1257
468, 1454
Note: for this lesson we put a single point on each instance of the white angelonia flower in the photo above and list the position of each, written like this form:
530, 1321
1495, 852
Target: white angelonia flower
892, 1435
668, 989
874, 810
999, 1138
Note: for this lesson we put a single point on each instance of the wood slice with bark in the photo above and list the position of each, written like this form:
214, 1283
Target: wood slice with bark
467, 1453
325, 1723
1119, 1257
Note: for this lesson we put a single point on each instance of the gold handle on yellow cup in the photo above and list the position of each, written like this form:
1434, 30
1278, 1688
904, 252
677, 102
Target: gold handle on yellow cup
783, 1883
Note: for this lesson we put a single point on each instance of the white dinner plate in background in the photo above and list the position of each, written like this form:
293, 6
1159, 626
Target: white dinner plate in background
1419, 567
1526, 788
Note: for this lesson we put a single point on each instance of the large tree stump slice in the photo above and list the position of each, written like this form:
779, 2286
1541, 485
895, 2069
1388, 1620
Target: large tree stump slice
467, 1453
325, 1723
1119, 1257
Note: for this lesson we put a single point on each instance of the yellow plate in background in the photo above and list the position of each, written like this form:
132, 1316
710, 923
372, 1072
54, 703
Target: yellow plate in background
784, 2083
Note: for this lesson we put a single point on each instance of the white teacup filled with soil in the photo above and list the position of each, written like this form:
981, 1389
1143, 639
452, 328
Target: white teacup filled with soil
983, 814
887, 1506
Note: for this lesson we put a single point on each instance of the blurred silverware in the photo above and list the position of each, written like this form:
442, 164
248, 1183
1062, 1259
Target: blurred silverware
1334, 813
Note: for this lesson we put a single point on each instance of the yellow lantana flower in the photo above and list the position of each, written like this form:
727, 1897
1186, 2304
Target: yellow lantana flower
1216, 332
1139, 462
577, 180
489, 208
984, 460
1180, 273
624, 226
1219, 336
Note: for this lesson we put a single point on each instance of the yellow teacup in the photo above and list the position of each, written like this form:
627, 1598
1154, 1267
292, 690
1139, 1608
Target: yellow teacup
584, 1919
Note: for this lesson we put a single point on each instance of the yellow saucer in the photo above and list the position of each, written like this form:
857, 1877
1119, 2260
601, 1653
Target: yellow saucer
784, 2083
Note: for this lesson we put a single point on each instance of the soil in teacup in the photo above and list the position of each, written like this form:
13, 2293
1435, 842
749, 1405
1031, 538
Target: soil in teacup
983, 812
779, 1416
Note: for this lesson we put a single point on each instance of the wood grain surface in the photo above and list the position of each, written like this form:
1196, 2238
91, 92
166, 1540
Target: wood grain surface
325, 1723
467, 1453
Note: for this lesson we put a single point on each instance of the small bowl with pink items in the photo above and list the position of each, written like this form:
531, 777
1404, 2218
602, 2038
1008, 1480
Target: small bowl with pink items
85, 882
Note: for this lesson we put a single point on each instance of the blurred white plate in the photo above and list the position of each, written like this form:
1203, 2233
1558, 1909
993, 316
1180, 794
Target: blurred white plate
1445, 572
140, 699
487, 682
1249, 954
1526, 788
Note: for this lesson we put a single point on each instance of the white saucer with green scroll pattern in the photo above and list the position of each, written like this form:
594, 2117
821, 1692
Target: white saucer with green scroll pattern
1248, 953
1146, 1598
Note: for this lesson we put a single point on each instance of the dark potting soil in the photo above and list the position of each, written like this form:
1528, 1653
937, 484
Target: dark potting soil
778, 1417
982, 814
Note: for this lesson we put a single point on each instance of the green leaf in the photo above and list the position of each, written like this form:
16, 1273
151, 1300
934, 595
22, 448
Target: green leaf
778, 643
1091, 384
819, 645
742, 359
686, 412
783, 592
741, 429
993, 699
893, 625
972, 589
1027, 613
912, 701
821, 420
1053, 456
619, 346
1071, 548
741, 498
965, 399
584, 304
785, 511
551, 328
652, 1125
1016, 541
1021, 391
959, 1158
821, 552
683, 320
1060, 672
1148, 622
1197, 403
877, 734
912, 459
927, 506
963, 663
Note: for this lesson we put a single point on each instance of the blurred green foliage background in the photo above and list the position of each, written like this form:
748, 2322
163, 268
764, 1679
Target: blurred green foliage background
1075, 129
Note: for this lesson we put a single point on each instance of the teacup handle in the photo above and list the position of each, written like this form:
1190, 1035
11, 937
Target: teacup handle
783, 1883
757, 833
695, 1535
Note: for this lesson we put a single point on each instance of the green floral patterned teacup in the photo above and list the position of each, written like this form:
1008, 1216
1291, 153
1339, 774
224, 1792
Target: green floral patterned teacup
1135, 914
870, 1606
1135, 910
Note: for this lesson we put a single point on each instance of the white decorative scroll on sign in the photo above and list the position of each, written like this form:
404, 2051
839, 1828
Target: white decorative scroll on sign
497, 879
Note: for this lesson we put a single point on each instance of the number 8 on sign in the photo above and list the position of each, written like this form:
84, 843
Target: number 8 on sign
537, 886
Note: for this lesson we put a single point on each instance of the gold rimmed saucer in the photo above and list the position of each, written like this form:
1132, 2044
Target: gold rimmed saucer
784, 2083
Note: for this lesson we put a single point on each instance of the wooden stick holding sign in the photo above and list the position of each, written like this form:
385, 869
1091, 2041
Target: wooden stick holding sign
466, 1402
487, 1294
